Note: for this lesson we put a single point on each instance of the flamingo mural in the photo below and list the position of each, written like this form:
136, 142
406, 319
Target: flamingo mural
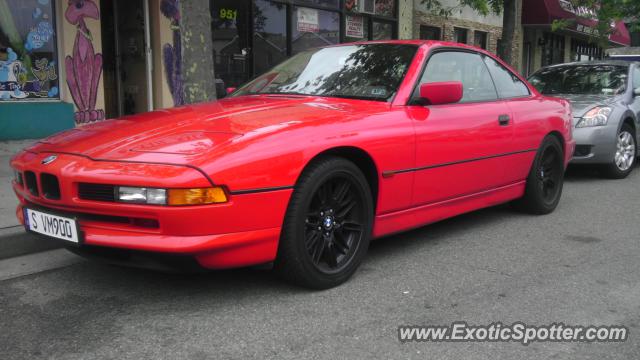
172, 53
84, 68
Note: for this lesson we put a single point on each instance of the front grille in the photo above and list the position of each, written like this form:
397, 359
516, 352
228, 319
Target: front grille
50, 186
96, 192
582, 150
31, 182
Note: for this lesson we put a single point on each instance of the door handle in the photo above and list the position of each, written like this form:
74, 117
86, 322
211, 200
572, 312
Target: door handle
503, 120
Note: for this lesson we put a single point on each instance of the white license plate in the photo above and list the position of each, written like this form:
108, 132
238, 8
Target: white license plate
52, 225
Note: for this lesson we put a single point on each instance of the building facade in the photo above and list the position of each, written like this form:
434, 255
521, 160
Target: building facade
575, 42
464, 25
66, 63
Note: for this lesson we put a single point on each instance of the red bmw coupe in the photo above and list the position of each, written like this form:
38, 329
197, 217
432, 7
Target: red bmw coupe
305, 164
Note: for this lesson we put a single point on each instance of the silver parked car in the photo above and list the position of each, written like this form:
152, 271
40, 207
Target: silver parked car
605, 97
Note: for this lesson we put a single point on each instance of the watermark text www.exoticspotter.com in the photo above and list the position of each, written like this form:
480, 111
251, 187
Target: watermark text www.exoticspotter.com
516, 332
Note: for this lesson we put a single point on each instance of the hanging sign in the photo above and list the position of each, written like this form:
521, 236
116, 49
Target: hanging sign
308, 20
354, 26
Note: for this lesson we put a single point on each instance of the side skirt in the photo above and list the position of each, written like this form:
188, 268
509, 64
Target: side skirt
426, 214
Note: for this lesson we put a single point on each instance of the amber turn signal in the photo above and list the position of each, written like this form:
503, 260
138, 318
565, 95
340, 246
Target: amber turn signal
200, 196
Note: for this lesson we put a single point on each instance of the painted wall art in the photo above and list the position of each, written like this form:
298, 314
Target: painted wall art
28, 52
172, 53
83, 67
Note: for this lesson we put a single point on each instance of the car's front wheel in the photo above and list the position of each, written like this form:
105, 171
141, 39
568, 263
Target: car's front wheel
625, 157
327, 227
546, 177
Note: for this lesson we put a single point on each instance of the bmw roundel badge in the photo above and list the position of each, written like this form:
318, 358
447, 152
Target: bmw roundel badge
49, 159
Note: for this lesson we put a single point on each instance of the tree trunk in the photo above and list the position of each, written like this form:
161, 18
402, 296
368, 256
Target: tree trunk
508, 31
197, 53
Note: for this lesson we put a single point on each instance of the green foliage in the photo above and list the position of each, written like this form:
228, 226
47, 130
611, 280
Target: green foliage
483, 7
605, 12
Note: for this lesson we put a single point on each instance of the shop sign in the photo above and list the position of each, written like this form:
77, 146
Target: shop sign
308, 20
581, 11
354, 26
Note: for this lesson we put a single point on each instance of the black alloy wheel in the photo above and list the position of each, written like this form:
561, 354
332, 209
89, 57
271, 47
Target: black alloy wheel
543, 188
334, 224
550, 173
328, 224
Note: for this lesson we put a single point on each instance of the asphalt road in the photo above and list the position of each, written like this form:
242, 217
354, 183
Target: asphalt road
580, 265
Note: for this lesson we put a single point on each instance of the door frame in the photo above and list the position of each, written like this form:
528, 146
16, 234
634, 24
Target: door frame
148, 53
148, 57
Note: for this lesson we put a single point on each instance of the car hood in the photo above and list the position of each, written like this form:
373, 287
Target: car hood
580, 104
188, 134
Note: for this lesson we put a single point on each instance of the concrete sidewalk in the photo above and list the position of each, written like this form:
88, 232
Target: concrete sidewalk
8, 199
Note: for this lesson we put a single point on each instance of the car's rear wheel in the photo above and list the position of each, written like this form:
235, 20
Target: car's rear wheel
544, 183
625, 157
327, 227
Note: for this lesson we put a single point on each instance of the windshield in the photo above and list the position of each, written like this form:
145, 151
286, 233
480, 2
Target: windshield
581, 79
371, 71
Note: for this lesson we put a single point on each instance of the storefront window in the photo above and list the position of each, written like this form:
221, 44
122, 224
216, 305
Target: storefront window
313, 28
373, 7
382, 31
28, 51
332, 4
480, 39
460, 35
385, 7
429, 32
356, 28
252, 36
270, 35
585, 51
552, 49
231, 48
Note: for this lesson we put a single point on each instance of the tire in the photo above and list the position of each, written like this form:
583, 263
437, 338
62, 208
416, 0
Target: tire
625, 157
327, 227
544, 183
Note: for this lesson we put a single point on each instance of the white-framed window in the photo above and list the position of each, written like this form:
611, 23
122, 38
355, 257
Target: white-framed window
29, 68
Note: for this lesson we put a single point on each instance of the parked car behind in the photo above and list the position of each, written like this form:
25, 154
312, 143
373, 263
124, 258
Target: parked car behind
605, 97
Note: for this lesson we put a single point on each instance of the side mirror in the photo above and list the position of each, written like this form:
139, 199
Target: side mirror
636, 91
230, 90
445, 92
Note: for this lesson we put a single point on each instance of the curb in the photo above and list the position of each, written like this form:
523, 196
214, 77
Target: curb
15, 241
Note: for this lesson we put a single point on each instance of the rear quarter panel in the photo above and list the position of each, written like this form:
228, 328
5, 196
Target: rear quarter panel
534, 118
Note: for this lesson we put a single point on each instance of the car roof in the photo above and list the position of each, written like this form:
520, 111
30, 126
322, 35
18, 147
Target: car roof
430, 43
593, 63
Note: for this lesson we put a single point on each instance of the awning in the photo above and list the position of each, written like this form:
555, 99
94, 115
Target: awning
543, 12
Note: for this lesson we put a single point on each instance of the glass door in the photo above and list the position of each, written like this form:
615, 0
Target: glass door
231, 27
126, 53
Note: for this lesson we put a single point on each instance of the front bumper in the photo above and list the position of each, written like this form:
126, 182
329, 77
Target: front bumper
244, 231
595, 145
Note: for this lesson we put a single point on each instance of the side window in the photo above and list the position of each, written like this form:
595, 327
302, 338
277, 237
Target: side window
507, 83
465, 67
636, 77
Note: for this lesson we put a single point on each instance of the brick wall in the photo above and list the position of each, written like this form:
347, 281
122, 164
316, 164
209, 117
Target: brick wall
447, 25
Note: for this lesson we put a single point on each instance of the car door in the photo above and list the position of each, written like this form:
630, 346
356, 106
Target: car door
459, 146
526, 113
